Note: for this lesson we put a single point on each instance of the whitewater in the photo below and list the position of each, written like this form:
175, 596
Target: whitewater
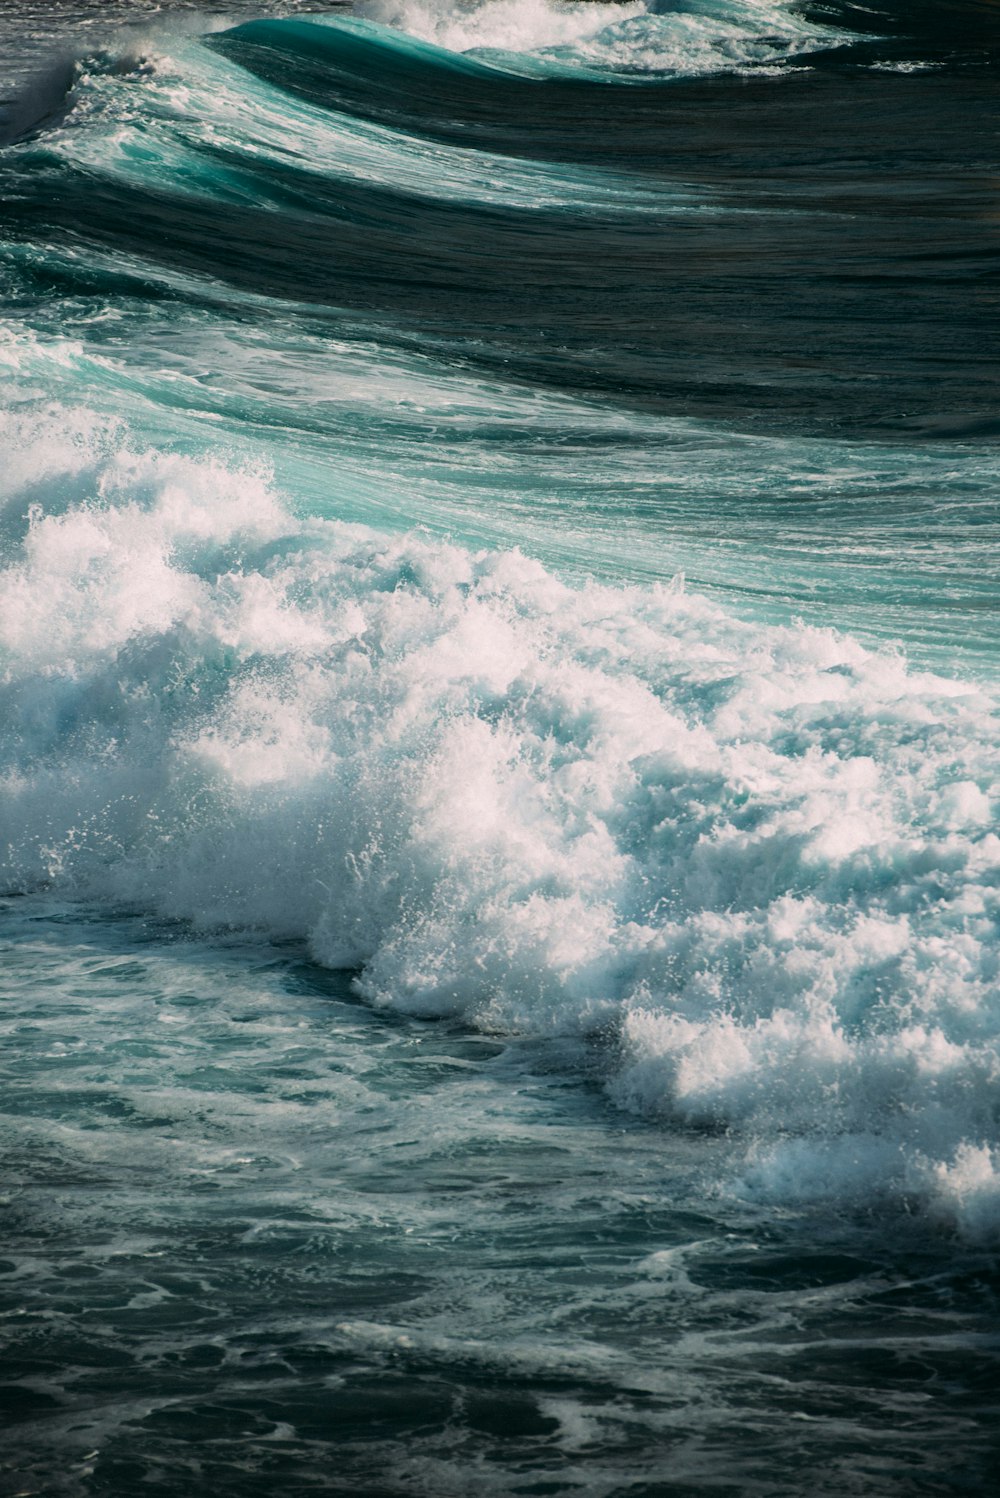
499, 756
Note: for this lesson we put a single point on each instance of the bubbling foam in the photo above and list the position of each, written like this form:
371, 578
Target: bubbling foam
508, 25
713, 36
760, 861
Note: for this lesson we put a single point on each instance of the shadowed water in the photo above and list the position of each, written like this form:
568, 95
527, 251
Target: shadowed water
260, 1234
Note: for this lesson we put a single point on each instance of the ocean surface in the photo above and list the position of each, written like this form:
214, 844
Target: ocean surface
500, 646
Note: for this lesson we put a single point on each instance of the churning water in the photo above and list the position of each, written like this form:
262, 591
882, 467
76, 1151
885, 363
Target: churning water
499, 629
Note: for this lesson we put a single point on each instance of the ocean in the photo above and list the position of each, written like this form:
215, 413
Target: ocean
500, 881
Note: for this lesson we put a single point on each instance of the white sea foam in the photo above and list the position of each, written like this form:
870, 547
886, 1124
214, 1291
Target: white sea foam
761, 860
671, 37
507, 25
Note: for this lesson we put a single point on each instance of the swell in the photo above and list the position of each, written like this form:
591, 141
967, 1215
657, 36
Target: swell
748, 265
761, 221
960, 35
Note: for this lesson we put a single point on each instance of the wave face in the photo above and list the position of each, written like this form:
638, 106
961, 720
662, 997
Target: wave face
499, 503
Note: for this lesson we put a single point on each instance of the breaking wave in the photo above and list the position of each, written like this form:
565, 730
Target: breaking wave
757, 863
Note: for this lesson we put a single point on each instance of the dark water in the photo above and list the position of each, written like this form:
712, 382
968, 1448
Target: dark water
498, 748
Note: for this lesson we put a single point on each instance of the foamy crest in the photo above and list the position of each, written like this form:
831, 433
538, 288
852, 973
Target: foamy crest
712, 36
507, 25
761, 861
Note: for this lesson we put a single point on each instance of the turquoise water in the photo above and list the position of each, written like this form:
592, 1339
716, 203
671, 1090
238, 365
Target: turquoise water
499, 754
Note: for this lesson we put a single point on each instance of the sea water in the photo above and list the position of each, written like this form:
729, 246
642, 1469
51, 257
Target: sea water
499, 614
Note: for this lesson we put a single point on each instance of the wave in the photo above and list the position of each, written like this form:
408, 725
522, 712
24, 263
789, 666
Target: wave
416, 49
758, 862
445, 215
213, 130
665, 40
883, 539
501, 26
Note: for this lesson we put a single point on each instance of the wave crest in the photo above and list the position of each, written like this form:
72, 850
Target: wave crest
762, 859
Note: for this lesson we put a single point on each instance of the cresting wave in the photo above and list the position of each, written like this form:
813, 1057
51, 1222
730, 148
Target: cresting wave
641, 37
253, 236
758, 861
